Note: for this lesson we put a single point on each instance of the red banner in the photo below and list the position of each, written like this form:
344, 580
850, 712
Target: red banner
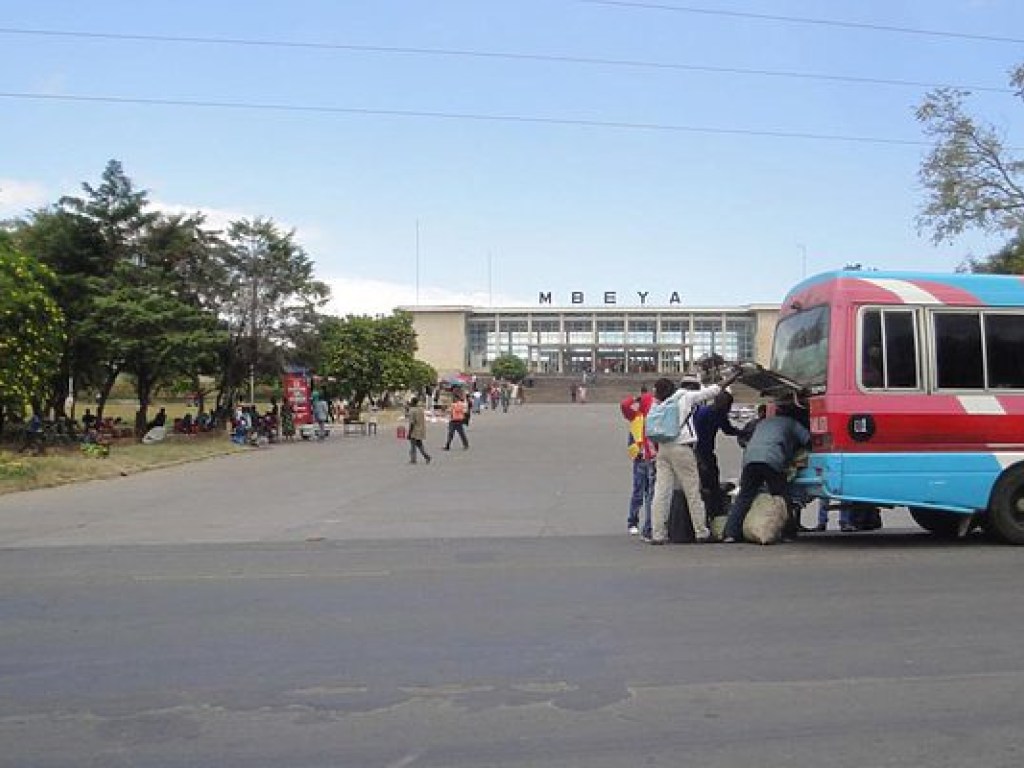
296, 389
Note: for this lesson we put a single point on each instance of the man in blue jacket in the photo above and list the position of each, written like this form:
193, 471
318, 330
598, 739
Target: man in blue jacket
708, 419
771, 448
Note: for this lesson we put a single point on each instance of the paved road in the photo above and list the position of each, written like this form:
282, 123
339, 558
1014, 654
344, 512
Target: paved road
328, 605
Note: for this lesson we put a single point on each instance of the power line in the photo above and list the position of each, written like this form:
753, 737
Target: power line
806, 20
465, 116
496, 55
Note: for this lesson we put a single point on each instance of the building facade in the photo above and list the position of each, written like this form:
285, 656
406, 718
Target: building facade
569, 340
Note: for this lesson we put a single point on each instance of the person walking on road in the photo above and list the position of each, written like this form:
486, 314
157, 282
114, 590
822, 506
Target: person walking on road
417, 431
321, 412
456, 417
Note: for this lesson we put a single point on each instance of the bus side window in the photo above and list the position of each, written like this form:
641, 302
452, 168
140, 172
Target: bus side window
888, 351
1004, 348
900, 350
871, 350
958, 357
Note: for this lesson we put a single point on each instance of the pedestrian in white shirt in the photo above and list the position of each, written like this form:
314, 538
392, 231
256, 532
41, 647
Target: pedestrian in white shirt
676, 464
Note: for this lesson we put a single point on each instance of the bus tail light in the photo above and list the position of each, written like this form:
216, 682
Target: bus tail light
821, 438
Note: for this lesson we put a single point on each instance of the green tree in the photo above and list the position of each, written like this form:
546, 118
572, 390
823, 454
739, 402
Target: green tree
422, 376
115, 211
971, 178
153, 336
118, 208
509, 367
1008, 260
270, 292
73, 247
31, 333
370, 356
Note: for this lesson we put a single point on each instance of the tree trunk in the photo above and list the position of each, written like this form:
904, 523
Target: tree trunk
108, 384
144, 388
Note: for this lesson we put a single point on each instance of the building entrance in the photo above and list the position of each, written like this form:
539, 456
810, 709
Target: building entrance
579, 361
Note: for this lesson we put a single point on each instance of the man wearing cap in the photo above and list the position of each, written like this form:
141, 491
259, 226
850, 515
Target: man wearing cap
676, 464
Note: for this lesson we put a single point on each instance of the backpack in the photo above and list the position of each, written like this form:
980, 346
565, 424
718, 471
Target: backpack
663, 422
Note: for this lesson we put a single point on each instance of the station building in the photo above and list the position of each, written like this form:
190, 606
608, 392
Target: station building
603, 339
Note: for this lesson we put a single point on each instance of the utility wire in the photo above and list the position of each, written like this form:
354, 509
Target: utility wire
497, 55
806, 20
465, 116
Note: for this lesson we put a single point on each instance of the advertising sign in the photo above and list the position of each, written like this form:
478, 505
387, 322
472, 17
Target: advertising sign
296, 389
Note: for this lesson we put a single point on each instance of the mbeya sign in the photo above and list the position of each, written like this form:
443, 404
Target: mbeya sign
610, 297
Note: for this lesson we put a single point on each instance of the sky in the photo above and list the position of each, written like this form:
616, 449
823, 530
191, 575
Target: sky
483, 152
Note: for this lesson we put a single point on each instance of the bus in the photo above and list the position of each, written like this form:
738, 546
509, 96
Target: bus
914, 384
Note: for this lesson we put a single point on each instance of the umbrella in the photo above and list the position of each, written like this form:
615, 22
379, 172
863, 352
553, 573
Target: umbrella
455, 379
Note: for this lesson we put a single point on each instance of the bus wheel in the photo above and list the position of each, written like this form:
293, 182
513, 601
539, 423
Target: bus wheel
1006, 513
943, 524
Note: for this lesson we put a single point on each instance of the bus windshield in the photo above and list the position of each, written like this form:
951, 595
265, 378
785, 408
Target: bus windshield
800, 351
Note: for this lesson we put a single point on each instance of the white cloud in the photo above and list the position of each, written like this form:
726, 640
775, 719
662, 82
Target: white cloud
16, 197
216, 218
220, 218
364, 296
353, 295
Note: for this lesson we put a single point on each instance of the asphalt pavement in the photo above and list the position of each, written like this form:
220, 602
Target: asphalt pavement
327, 604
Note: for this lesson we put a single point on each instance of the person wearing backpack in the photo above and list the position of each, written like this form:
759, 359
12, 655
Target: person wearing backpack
670, 424
456, 417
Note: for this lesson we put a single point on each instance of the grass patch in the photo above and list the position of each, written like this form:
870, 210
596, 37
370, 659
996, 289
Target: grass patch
20, 472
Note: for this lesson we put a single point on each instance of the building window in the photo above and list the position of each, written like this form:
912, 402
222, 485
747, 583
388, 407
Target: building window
672, 332
513, 338
738, 343
706, 338
610, 331
641, 331
477, 333
579, 331
546, 332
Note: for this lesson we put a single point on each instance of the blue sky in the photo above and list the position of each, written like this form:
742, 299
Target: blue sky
509, 208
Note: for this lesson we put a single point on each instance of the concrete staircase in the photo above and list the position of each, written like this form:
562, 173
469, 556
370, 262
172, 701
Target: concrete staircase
605, 388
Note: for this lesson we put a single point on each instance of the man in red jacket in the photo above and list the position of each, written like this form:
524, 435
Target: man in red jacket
642, 451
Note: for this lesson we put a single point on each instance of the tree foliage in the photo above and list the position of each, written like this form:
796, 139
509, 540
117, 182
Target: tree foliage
31, 332
971, 178
509, 367
72, 246
165, 298
369, 356
271, 297
1008, 260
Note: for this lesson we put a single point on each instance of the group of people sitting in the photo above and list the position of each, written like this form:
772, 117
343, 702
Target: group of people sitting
250, 427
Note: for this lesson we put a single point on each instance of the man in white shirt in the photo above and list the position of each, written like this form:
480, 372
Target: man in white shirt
676, 465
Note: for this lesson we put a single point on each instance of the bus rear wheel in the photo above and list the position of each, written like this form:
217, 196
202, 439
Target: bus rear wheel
1006, 512
943, 524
